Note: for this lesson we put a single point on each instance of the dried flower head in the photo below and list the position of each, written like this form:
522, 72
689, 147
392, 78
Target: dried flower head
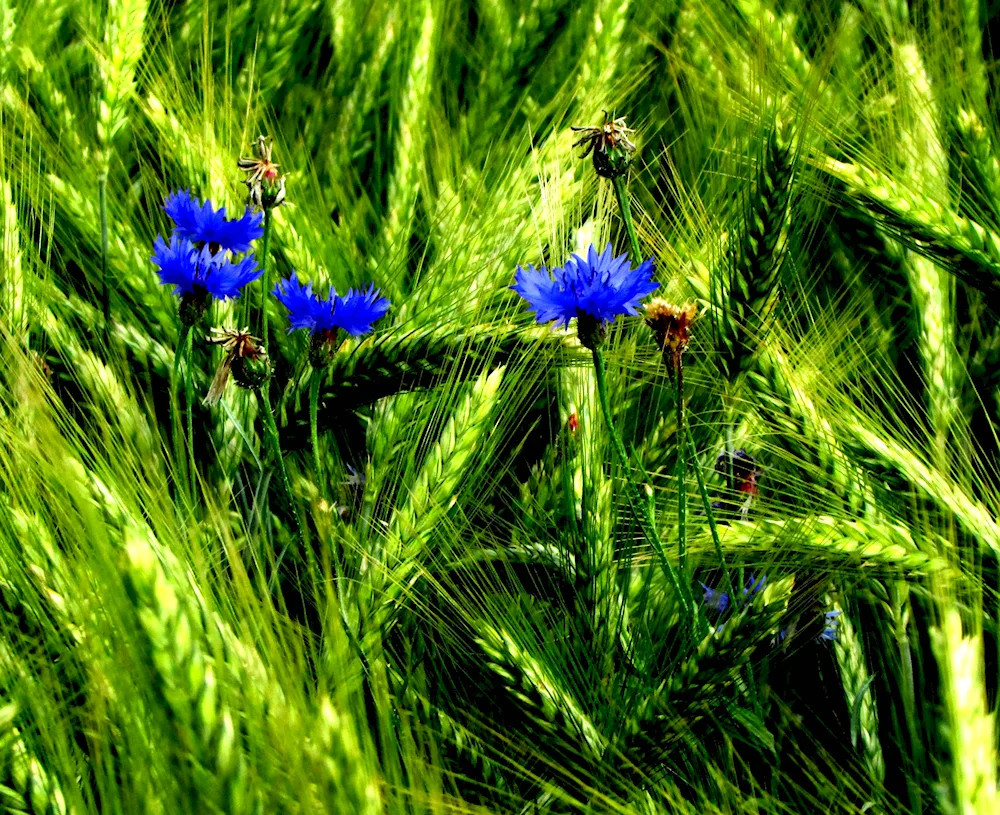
671, 327
265, 182
610, 145
244, 357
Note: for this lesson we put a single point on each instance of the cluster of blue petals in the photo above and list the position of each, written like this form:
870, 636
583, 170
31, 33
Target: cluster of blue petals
201, 223
185, 267
600, 285
354, 313
719, 600
198, 254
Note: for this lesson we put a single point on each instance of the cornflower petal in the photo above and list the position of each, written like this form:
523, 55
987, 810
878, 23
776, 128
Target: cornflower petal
357, 310
201, 223
599, 285
177, 263
224, 278
354, 312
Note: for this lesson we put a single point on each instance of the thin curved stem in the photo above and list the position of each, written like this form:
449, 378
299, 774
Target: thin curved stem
638, 505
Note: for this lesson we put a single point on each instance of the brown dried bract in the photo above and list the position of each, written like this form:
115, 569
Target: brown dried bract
612, 134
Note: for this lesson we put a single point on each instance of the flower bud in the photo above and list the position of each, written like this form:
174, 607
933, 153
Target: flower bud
322, 347
193, 305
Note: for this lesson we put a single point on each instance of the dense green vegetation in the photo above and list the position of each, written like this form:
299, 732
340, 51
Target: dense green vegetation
466, 595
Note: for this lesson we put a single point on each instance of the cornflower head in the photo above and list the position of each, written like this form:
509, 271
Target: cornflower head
595, 290
198, 274
204, 225
609, 144
265, 182
719, 600
829, 633
671, 326
244, 358
354, 313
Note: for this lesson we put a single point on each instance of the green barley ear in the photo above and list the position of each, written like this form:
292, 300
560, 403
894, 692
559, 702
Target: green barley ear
963, 246
745, 284
701, 686
969, 776
848, 647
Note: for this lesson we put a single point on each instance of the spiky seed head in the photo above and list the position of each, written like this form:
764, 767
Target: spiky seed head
671, 326
245, 358
609, 144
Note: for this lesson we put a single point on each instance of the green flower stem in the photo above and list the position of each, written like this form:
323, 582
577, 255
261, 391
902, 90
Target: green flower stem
681, 471
102, 204
189, 411
726, 578
182, 459
273, 442
265, 277
621, 193
314, 383
638, 505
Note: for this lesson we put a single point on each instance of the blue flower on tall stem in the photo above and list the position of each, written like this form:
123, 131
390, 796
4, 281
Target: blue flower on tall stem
354, 313
595, 290
202, 223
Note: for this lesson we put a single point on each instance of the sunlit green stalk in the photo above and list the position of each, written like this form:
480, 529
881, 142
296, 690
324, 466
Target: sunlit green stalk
638, 505
621, 193
102, 203
265, 277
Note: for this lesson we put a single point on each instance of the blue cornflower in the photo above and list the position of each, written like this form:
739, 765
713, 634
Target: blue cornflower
719, 600
190, 269
201, 223
353, 313
830, 629
595, 290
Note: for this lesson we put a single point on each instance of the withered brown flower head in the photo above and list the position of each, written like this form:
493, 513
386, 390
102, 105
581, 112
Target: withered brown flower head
244, 357
265, 182
610, 144
671, 327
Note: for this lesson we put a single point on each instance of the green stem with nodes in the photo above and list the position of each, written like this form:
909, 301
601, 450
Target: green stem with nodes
265, 277
621, 193
102, 204
638, 505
